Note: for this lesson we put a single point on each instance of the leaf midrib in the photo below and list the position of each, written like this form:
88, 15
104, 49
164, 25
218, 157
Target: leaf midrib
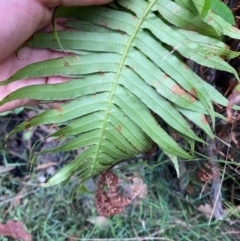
121, 65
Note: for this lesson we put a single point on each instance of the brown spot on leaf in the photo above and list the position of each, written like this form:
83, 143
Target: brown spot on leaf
223, 56
119, 128
192, 98
165, 76
181, 92
102, 74
27, 126
204, 120
193, 92
58, 109
104, 24
209, 20
66, 64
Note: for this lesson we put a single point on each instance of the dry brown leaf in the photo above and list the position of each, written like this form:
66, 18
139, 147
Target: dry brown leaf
15, 229
109, 202
137, 186
46, 165
206, 209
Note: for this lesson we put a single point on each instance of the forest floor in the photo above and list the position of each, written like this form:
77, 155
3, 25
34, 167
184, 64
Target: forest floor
167, 207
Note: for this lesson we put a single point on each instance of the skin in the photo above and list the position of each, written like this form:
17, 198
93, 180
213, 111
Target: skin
19, 20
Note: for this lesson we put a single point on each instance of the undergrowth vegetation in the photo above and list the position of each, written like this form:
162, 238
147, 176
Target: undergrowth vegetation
122, 70
130, 87
163, 214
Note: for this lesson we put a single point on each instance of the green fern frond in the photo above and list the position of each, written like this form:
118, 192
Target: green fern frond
125, 68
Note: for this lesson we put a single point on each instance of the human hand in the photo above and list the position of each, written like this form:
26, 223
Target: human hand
19, 20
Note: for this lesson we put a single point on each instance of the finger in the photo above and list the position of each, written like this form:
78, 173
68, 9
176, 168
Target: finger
22, 83
25, 57
16, 104
55, 3
20, 19
12, 64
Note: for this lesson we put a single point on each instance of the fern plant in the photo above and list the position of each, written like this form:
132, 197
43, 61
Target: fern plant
127, 70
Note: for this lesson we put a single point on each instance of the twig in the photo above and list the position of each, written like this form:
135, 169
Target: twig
231, 232
225, 143
216, 181
203, 189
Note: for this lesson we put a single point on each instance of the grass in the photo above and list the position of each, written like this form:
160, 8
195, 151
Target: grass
165, 213
162, 214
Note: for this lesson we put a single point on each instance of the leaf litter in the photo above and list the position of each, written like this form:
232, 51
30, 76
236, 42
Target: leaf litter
15, 229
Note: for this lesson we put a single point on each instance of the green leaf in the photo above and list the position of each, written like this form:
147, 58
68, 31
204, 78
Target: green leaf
174, 160
203, 6
128, 85
183, 18
199, 119
222, 26
222, 10
187, 4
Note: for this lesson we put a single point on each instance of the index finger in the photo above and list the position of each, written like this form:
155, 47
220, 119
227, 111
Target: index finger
20, 19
